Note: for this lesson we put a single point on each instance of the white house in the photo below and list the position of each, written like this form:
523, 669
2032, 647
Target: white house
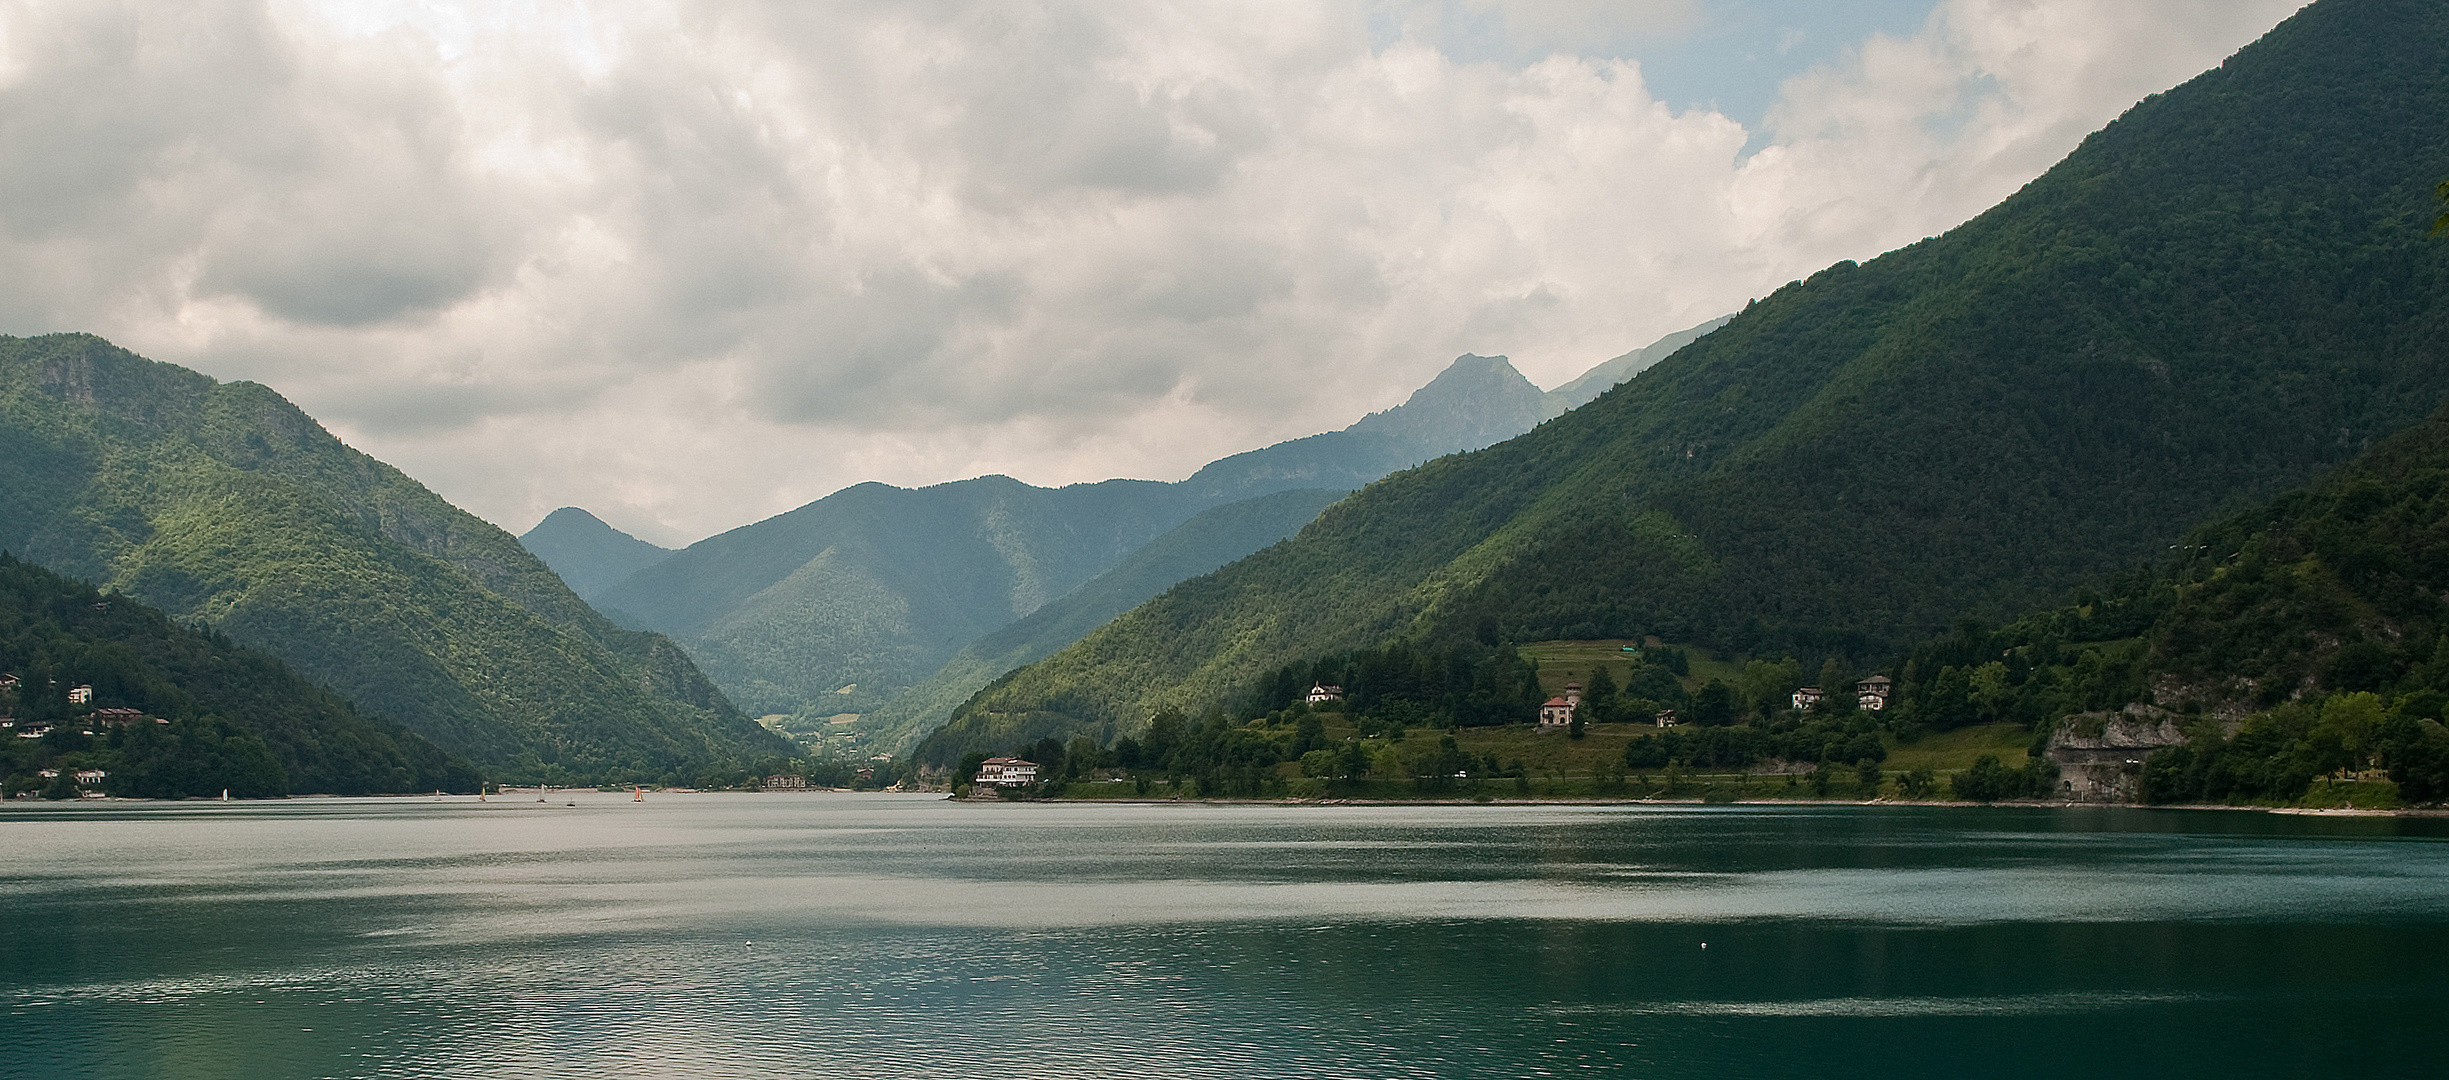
1873, 693
1321, 693
1006, 772
1807, 697
80, 695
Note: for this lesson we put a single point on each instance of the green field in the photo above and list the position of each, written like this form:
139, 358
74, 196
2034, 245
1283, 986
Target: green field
1561, 662
1949, 751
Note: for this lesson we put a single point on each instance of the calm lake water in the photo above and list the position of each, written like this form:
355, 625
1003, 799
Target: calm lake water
898, 936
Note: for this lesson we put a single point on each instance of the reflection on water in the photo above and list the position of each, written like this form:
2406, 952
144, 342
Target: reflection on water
715, 936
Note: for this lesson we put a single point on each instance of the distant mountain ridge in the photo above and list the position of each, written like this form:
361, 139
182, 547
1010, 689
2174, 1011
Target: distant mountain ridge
2220, 295
1605, 377
223, 504
589, 555
1476, 401
846, 602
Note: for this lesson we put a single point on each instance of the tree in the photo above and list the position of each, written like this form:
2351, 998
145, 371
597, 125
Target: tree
1309, 733
1714, 704
1600, 698
2440, 225
1917, 783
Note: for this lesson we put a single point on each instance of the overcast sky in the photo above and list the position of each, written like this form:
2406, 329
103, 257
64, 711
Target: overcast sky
692, 264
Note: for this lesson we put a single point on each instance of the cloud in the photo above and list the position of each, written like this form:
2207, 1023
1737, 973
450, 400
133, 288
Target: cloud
692, 263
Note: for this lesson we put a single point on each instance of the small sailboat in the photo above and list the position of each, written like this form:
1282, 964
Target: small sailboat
636, 793
225, 794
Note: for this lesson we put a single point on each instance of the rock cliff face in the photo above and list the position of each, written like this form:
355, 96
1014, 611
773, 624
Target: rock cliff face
2100, 755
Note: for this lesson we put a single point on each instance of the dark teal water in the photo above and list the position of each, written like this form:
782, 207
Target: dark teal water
888, 936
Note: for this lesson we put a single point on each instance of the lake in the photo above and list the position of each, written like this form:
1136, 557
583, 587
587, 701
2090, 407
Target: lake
896, 936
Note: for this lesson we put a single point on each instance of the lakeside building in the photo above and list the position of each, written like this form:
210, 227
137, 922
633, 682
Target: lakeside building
1557, 713
1006, 772
786, 782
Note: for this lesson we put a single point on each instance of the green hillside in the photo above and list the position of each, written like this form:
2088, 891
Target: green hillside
222, 504
2215, 299
1213, 538
237, 720
2300, 639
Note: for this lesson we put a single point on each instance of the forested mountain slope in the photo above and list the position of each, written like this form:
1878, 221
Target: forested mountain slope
221, 503
2304, 637
240, 721
2214, 299
1599, 380
846, 602
589, 555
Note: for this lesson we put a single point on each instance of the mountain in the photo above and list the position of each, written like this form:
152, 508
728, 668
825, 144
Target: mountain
1210, 539
841, 605
1601, 379
589, 555
224, 505
2221, 295
2302, 638
237, 720
1476, 401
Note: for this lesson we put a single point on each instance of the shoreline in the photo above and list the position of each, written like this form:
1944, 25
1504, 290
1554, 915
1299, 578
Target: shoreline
2296, 811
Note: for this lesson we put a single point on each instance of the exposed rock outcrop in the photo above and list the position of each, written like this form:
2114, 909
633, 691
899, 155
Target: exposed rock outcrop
2100, 755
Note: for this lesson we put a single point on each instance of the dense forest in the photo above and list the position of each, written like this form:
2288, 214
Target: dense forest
175, 712
224, 505
2221, 296
2305, 638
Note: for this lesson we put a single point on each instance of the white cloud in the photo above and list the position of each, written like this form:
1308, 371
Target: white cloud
689, 264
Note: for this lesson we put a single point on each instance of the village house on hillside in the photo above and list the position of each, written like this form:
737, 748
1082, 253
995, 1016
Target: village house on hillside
1557, 713
1873, 693
1807, 697
80, 695
1321, 693
118, 717
1006, 772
